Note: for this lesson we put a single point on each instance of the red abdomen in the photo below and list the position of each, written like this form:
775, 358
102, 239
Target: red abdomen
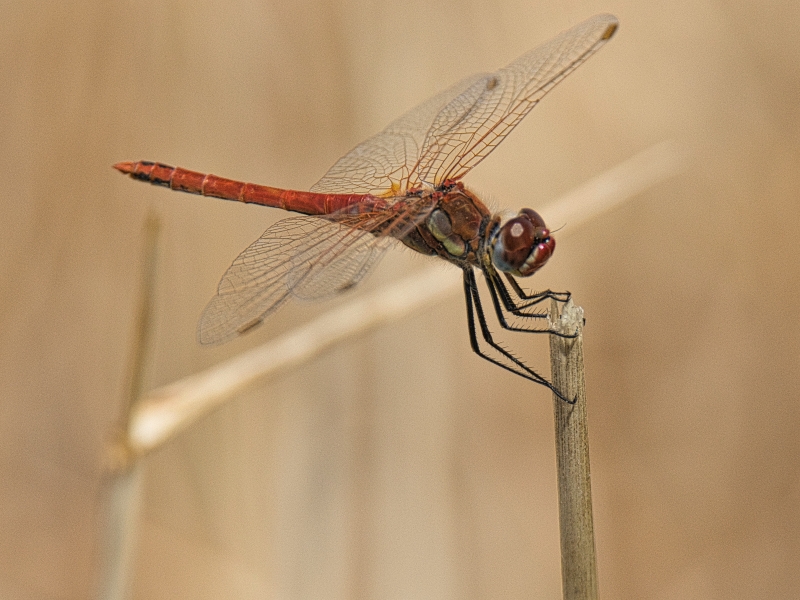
183, 180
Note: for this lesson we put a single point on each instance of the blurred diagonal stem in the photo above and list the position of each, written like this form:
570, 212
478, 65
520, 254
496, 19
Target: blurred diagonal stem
578, 558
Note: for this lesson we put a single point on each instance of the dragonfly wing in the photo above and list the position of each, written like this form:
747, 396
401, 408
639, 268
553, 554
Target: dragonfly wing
344, 259
386, 162
336, 270
473, 123
305, 257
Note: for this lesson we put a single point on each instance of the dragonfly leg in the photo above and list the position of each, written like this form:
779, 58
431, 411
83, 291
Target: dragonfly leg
503, 302
510, 362
535, 297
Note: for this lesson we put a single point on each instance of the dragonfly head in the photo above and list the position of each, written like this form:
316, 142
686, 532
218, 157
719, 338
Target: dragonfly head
523, 244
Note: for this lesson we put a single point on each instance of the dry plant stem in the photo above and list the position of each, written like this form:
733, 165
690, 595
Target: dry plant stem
122, 503
123, 492
578, 559
142, 327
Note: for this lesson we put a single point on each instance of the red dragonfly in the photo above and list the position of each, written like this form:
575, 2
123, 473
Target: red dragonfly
402, 184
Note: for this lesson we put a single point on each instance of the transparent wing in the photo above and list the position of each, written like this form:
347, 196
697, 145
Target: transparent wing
449, 134
331, 272
383, 163
303, 257
475, 122
334, 271
276, 266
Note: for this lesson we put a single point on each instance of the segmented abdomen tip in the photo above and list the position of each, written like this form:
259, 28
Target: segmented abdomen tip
125, 167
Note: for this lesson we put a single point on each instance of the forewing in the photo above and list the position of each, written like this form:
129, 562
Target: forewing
470, 126
387, 162
306, 257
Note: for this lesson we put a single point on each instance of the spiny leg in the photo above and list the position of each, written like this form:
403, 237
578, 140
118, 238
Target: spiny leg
524, 299
516, 366
499, 292
497, 286
535, 297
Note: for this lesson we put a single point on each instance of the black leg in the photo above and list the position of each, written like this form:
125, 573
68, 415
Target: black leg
536, 296
525, 300
513, 364
500, 293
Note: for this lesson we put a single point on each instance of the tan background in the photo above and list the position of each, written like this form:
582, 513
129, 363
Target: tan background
399, 465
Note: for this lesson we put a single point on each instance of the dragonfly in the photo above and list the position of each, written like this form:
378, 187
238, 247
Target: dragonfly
404, 185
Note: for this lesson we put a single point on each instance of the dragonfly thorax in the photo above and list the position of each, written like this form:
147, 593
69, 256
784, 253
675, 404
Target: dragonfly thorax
522, 245
454, 228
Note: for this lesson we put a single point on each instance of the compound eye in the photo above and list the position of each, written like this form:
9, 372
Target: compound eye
515, 241
535, 217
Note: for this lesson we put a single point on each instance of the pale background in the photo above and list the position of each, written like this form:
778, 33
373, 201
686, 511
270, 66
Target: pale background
399, 465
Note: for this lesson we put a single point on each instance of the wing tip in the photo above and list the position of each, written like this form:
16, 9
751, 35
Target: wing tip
611, 25
610, 31
209, 334
249, 326
207, 338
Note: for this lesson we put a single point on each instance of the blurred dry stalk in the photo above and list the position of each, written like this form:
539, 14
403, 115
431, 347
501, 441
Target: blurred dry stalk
123, 494
117, 457
166, 411
578, 556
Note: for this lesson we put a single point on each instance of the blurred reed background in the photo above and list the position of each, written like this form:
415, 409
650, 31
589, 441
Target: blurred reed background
398, 464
